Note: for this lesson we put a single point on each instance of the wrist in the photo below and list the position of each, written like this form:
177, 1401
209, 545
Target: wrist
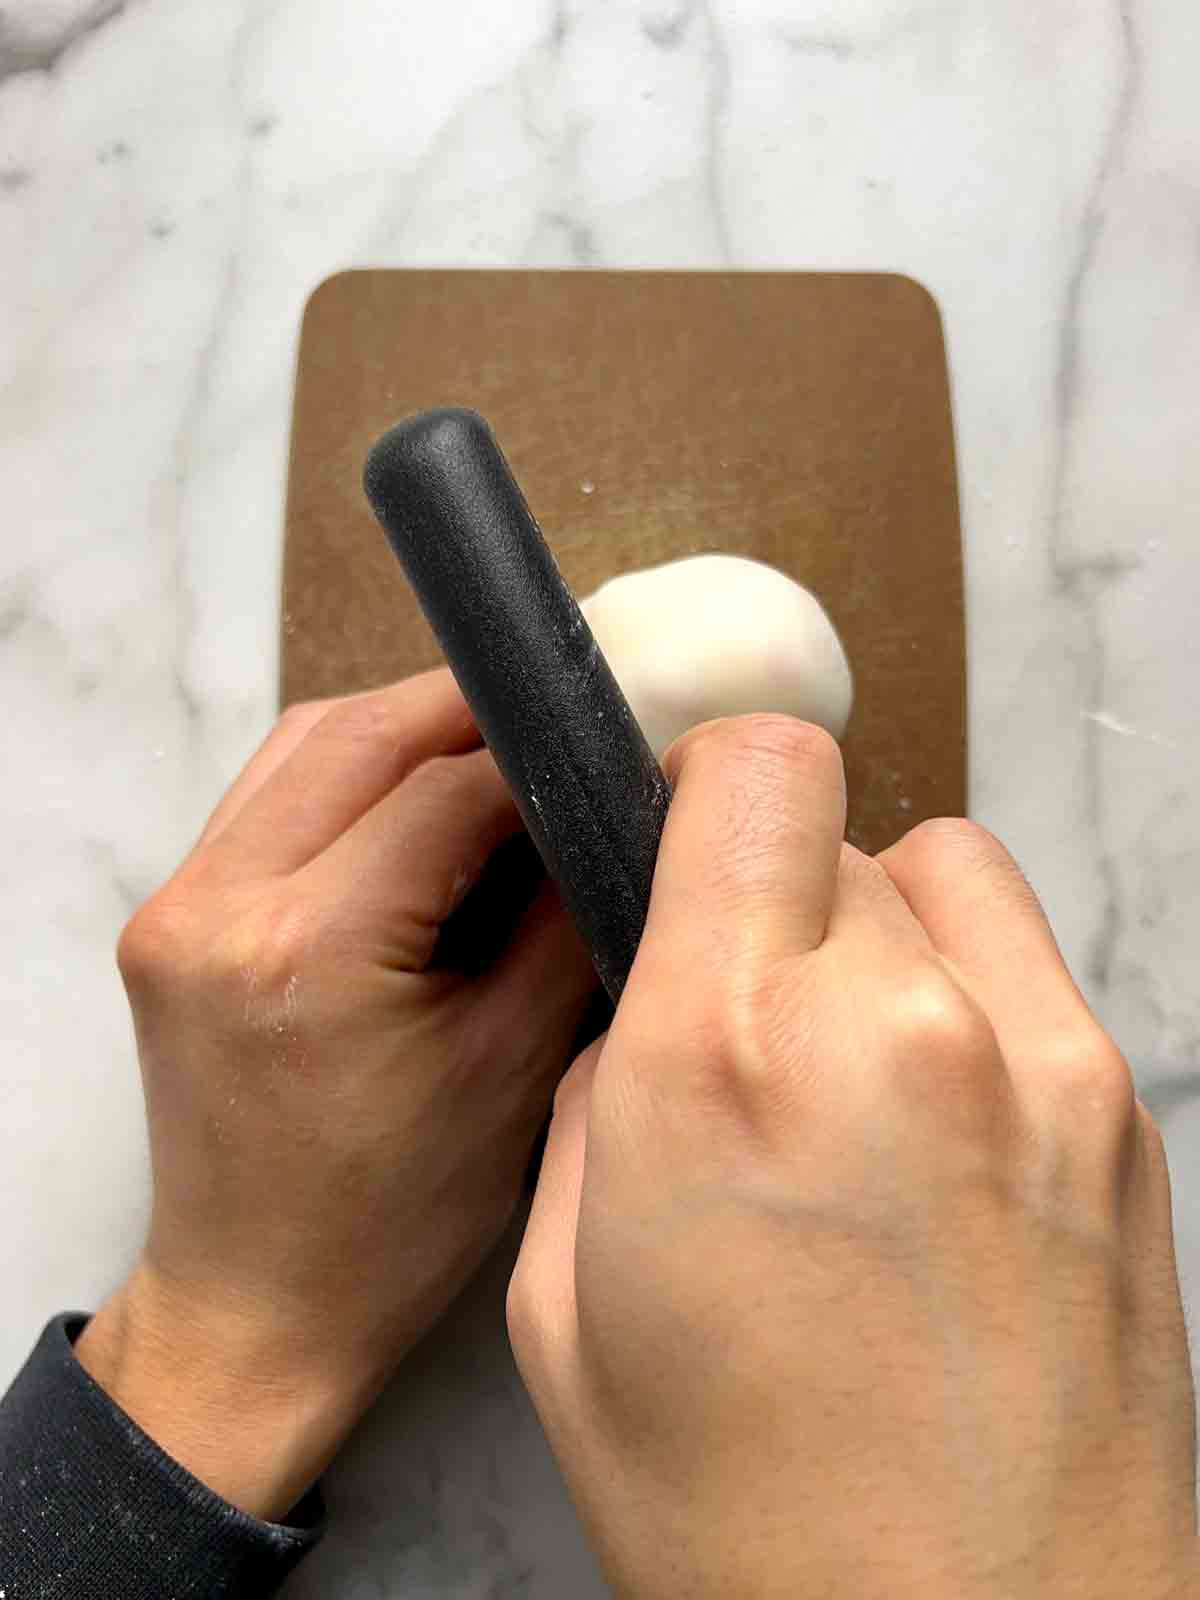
220, 1393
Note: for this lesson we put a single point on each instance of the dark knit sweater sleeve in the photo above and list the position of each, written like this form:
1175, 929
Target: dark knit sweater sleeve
90, 1506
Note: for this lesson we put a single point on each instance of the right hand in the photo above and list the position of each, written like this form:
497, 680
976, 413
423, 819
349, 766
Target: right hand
850, 1272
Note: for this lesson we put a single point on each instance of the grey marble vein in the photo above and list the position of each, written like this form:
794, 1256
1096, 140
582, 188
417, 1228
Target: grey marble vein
16, 604
178, 471
865, 36
1069, 572
716, 105
130, 891
666, 28
26, 47
581, 244
560, 24
1081, 580
805, 44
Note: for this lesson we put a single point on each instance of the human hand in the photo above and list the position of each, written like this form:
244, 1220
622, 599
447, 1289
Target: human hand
850, 1271
338, 1129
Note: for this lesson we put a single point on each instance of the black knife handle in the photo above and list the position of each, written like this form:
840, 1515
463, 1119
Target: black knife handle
592, 795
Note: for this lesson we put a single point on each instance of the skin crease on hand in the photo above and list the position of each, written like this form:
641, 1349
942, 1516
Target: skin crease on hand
850, 1272
338, 1130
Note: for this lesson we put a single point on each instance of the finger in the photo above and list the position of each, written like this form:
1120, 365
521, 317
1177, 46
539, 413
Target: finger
983, 918
869, 911
749, 859
295, 724
408, 863
359, 751
541, 1299
540, 987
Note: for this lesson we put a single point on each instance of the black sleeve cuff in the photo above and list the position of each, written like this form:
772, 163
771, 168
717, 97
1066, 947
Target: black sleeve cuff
90, 1506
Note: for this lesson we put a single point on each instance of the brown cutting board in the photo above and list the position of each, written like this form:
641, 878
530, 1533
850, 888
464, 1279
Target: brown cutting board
799, 418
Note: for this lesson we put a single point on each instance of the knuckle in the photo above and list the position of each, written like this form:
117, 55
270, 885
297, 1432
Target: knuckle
943, 1055
575, 1086
272, 939
255, 965
156, 941
247, 959
748, 1035
521, 1314
1091, 1084
932, 1017
516, 1306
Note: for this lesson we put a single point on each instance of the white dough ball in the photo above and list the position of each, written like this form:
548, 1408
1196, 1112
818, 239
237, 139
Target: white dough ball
719, 636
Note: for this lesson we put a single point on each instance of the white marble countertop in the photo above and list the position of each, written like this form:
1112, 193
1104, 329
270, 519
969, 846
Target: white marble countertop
176, 178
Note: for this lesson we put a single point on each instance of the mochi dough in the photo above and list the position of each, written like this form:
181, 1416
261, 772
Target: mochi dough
719, 636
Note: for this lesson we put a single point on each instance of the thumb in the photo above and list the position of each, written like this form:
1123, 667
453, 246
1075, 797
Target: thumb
541, 1296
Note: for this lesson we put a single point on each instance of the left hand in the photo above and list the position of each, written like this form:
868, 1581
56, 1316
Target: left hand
338, 1128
